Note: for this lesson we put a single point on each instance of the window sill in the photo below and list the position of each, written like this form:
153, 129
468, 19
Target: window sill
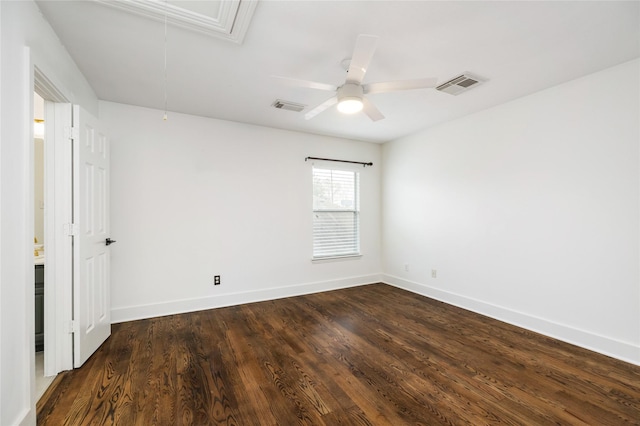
335, 258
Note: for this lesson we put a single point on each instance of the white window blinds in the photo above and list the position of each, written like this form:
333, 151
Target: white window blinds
336, 210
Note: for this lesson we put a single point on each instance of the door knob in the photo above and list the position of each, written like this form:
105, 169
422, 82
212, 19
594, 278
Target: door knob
109, 241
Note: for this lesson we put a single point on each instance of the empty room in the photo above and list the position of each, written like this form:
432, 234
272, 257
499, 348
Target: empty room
319, 212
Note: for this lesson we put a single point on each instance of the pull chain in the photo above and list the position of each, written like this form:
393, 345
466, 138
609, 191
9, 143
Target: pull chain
165, 61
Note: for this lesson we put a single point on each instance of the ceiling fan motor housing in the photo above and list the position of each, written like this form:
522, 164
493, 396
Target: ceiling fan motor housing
350, 91
350, 98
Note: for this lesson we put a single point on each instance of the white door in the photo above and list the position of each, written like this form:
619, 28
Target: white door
91, 311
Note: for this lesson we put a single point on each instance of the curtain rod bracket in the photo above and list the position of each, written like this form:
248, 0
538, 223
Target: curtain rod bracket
339, 161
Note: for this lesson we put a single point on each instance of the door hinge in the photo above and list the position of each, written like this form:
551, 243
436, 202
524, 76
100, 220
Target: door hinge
71, 132
73, 327
71, 229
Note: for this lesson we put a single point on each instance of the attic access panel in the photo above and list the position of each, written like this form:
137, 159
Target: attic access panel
223, 19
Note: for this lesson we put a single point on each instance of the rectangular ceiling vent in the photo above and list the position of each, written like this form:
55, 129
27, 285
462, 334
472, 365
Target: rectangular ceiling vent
460, 84
289, 106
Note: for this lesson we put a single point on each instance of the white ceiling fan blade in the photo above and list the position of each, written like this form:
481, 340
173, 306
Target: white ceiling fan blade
362, 54
296, 82
317, 110
371, 110
392, 86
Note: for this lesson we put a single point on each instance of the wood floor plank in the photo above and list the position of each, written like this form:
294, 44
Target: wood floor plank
369, 355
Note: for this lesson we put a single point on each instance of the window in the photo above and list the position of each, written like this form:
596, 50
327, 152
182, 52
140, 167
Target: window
336, 211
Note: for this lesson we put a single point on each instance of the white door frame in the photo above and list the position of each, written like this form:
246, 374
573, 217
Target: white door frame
58, 309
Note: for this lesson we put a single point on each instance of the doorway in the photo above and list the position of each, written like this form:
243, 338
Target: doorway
54, 247
39, 243
76, 317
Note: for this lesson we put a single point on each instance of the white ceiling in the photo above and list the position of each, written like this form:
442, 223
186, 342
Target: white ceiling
520, 47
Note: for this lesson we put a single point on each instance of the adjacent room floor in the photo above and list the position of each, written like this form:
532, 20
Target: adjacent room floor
42, 381
370, 355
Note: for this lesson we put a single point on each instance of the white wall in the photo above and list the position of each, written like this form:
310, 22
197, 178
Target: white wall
26, 39
528, 211
194, 197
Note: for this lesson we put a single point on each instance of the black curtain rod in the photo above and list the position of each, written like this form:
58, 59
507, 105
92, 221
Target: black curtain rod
339, 161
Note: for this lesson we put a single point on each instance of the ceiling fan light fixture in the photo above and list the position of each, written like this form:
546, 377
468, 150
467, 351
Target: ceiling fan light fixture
350, 105
350, 98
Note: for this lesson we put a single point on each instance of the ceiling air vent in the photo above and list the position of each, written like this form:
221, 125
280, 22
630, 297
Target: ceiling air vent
460, 84
290, 106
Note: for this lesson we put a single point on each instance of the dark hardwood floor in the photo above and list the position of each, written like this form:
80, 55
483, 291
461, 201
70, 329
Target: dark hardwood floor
371, 355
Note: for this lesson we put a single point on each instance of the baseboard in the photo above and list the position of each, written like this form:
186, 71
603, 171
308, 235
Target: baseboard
614, 348
131, 313
28, 418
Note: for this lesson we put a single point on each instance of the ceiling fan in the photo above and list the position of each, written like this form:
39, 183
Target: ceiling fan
350, 96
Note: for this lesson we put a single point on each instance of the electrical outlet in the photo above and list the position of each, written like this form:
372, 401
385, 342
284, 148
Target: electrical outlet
434, 273
406, 267
216, 280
